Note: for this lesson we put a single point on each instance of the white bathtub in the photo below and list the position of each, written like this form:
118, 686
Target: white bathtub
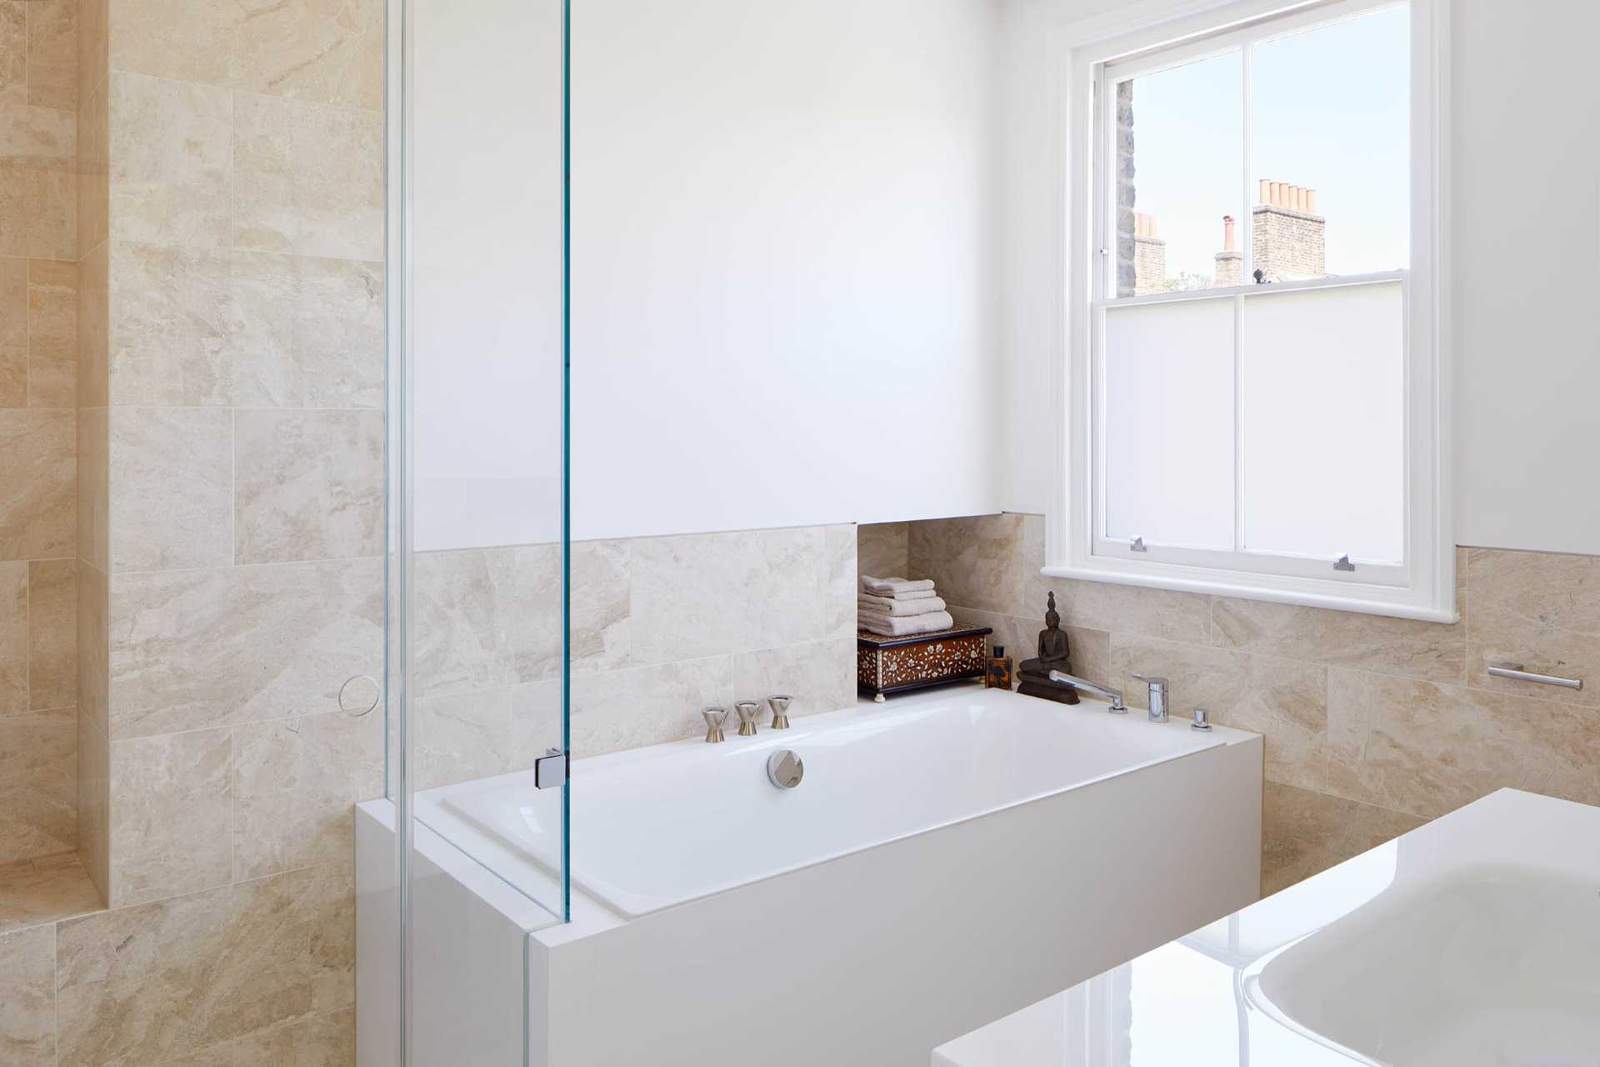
948, 857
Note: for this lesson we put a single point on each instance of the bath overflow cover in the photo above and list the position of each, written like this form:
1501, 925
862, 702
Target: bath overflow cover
785, 769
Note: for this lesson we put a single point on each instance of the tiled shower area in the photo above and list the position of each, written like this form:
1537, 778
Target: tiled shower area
49, 857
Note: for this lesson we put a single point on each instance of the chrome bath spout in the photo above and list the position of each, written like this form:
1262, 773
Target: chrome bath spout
1112, 696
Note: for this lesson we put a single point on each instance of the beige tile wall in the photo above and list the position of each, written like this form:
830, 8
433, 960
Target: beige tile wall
1373, 725
661, 627
39, 292
219, 201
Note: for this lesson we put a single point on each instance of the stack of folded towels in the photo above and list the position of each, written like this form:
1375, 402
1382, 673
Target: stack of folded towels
895, 607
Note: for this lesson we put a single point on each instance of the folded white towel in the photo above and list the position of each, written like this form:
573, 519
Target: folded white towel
895, 587
889, 606
905, 626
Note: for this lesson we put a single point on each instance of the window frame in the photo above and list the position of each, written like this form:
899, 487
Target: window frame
1423, 586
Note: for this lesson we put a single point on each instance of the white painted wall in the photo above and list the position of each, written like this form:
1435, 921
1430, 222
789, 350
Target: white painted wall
784, 235
1525, 138
784, 266
486, 272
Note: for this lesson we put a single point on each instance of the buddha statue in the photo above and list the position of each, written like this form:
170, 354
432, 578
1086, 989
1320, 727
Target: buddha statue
1054, 652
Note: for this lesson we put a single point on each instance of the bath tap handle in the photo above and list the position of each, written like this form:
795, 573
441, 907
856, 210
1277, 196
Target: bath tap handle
1158, 696
780, 711
747, 717
714, 717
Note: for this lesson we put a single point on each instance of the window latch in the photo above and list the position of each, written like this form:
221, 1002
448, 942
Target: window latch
1137, 545
1343, 563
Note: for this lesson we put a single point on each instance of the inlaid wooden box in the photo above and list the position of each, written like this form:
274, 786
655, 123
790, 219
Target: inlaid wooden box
896, 664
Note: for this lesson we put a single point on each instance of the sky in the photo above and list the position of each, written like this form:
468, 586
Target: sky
1329, 112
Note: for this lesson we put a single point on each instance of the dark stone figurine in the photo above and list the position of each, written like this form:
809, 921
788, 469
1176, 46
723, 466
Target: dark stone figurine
1053, 656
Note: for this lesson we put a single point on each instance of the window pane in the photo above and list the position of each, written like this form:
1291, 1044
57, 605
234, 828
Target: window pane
1329, 133
1322, 422
1169, 423
1180, 172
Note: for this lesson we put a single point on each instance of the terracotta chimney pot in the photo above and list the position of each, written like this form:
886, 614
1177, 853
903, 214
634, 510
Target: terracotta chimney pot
1311, 201
1227, 234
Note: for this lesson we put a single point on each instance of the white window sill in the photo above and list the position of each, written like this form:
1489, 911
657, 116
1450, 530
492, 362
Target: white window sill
1369, 600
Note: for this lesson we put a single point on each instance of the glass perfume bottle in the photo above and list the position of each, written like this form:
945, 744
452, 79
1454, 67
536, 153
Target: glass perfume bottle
999, 673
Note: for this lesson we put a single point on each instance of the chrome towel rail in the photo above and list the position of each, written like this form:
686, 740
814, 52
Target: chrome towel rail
1515, 672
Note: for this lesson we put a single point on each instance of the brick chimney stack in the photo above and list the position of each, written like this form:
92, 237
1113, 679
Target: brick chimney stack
1149, 256
1230, 263
1287, 238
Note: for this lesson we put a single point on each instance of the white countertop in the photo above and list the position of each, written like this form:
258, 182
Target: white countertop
1471, 941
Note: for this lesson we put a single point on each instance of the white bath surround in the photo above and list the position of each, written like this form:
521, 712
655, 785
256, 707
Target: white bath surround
946, 858
1470, 942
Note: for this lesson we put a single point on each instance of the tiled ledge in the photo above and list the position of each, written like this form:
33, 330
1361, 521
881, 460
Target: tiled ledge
45, 890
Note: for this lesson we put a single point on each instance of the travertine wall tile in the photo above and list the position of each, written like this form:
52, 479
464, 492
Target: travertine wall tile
308, 485
13, 332
1427, 749
974, 559
192, 649
53, 53
486, 618
93, 488
28, 997
175, 39
13, 637
52, 634
480, 733
52, 334
38, 181
43, 890
305, 332
320, 51
170, 832
94, 163
712, 594
171, 488
1344, 638
52, 212
884, 549
170, 315
37, 136
93, 329
307, 179
456, 737
131, 981
318, 1041
38, 784
535, 721
94, 805
326, 51
93, 68
13, 53
1305, 832
150, 983
1283, 700
170, 160
820, 676
1537, 609
296, 783
93, 683
38, 494
648, 705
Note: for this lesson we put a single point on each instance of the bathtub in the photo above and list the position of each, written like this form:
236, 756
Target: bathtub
947, 858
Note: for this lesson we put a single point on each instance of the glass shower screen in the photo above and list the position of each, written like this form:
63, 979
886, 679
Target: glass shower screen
478, 405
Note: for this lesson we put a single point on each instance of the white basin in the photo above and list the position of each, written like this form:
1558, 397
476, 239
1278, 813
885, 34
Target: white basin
1473, 941
1486, 965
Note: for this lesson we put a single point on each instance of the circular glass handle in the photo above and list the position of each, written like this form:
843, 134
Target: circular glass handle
359, 695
